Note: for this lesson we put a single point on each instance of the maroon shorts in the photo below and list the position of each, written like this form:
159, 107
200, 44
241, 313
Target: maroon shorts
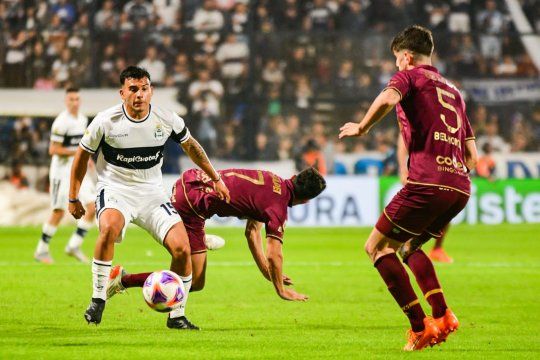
188, 192
420, 210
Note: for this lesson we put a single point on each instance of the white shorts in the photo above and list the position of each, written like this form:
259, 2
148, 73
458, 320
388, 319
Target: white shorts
149, 208
60, 192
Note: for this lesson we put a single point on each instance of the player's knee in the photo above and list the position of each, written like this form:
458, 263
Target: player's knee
109, 231
180, 249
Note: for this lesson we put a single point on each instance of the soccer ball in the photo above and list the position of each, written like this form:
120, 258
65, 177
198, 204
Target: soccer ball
163, 291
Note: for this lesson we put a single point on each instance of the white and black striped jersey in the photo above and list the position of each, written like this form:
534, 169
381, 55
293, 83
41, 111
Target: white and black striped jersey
130, 152
67, 130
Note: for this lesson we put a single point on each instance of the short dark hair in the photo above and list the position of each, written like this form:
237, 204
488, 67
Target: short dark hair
308, 184
415, 38
72, 89
133, 72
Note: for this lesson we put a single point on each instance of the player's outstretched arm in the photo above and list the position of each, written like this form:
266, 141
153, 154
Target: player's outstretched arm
78, 170
275, 266
254, 239
197, 154
381, 106
471, 154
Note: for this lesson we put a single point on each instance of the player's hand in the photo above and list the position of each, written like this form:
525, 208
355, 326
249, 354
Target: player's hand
76, 209
222, 190
287, 281
352, 129
291, 295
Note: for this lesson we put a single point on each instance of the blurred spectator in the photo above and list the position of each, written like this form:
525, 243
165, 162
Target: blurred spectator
65, 11
64, 68
15, 60
485, 166
106, 13
154, 66
459, 20
493, 138
352, 17
137, 10
16, 177
490, 22
319, 17
208, 21
206, 90
168, 10
232, 56
311, 156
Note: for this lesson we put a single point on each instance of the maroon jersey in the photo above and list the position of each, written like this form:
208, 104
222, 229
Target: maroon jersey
434, 126
255, 194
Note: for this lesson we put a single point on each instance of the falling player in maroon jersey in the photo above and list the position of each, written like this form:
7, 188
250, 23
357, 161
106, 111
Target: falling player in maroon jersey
441, 146
259, 196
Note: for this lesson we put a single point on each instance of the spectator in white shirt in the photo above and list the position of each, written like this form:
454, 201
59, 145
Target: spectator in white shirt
154, 66
167, 10
206, 92
232, 55
208, 21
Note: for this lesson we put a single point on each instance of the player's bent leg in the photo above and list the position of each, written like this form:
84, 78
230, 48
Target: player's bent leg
42, 253
198, 262
177, 243
111, 223
378, 245
381, 250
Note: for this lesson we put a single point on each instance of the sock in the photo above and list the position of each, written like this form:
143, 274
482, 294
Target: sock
134, 280
396, 278
423, 270
100, 277
47, 233
182, 309
77, 237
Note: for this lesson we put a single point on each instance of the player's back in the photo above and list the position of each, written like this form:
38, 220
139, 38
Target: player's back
255, 194
434, 126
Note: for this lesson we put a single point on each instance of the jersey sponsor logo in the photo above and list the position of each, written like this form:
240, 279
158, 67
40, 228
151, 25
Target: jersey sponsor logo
448, 164
158, 132
133, 158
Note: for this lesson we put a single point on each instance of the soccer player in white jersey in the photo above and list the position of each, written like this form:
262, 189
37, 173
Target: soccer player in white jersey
129, 139
67, 130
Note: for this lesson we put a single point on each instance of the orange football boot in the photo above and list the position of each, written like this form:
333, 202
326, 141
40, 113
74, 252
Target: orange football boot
419, 340
440, 255
447, 324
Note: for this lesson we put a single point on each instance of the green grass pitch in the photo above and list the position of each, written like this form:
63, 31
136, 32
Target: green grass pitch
493, 286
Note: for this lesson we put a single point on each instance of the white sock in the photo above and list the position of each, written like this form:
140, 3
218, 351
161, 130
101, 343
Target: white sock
78, 235
100, 278
47, 232
182, 308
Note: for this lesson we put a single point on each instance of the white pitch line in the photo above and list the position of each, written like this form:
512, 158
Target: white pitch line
286, 263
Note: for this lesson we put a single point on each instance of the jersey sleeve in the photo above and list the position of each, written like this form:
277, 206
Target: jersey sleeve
58, 130
180, 132
401, 82
469, 133
275, 226
93, 135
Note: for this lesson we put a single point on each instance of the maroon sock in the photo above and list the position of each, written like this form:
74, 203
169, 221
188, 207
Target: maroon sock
134, 280
396, 278
423, 270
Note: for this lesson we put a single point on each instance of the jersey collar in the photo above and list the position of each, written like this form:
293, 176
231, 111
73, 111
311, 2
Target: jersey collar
134, 120
429, 67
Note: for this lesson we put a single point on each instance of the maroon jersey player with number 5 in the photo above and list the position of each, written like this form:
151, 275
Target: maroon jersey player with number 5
440, 141
259, 196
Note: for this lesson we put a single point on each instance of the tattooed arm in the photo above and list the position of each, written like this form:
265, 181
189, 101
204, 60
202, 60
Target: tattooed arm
197, 154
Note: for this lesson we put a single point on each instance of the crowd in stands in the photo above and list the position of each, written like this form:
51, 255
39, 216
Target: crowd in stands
263, 79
